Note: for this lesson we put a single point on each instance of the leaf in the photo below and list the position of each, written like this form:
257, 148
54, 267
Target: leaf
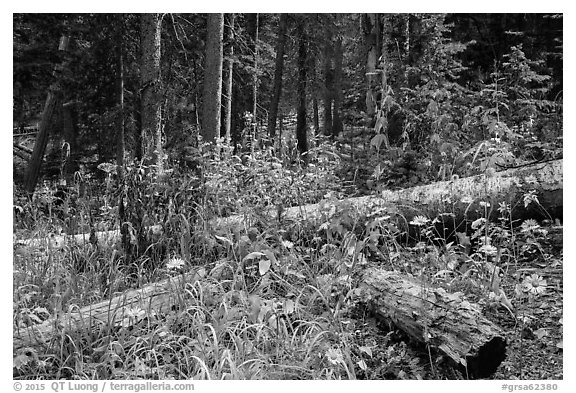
253, 255
21, 361
377, 141
223, 239
264, 266
366, 350
381, 123
289, 306
270, 256
541, 333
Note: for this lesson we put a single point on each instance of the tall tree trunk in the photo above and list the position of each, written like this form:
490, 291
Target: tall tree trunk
337, 92
316, 115
121, 131
278, 71
227, 73
150, 25
137, 117
213, 78
45, 124
69, 121
301, 137
255, 92
328, 82
373, 50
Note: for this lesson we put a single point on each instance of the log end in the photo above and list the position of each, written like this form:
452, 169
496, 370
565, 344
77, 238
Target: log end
486, 360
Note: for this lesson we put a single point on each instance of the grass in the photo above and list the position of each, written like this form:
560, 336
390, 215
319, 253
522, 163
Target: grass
272, 301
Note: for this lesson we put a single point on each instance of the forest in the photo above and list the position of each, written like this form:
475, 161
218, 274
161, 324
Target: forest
288, 196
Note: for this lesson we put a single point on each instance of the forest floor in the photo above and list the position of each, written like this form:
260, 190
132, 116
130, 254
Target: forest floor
535, 337
534, 331
327, 344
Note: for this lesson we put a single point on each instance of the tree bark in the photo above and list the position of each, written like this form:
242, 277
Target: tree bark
213, 78
448, 323
278, 72
137, 117
255, 90
227, 78
373, 50
121, 131
150, 25
316, 115
70, 136
337, 92
45, 125
328, 81
301, 136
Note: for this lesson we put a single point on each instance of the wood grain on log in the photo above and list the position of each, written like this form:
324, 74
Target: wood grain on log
446, 322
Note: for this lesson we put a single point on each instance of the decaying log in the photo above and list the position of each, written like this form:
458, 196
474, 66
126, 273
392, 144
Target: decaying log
156, 298
461, 197
446, 322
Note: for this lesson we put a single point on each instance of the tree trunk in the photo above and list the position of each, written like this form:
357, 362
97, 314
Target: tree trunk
328, 79
447, 322
137, 117
150, 80
255, 91
227, 73
213, 78
278, 71
121, 131
373, 50
337, 92
316, 115
70, 136
301, 137
45, 125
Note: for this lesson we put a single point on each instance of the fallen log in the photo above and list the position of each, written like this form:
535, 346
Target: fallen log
445, 322
156, 298
462, 197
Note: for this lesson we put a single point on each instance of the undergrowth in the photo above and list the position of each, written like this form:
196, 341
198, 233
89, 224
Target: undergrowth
270, 298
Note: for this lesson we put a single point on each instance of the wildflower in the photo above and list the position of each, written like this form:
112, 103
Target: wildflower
132, 316
503, 207
534, 284
467, 200
175, 264
488, 249
529, 226
419, 221
334, 356
530, 197
484, 204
